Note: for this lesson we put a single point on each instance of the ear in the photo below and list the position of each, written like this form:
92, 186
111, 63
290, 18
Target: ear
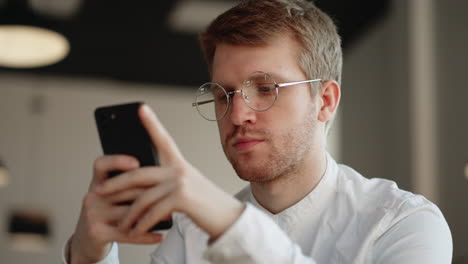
329, 97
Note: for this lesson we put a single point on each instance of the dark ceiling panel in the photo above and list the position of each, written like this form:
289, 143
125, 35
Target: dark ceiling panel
130, 40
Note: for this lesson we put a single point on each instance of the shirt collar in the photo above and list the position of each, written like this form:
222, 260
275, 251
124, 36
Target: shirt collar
314, 203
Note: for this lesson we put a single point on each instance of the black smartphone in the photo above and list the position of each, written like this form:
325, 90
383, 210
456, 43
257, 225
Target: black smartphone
121, 132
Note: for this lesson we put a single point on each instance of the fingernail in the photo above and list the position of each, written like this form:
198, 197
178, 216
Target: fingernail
146, 108
134, 163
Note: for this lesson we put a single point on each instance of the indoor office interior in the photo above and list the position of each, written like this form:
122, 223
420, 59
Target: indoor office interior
403, 114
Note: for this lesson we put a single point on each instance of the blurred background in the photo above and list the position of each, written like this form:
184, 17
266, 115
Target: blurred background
402, 117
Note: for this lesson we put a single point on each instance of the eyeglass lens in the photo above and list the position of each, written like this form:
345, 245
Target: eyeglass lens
259, 93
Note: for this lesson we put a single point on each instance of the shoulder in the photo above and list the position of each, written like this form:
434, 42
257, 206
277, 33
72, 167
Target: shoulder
396, 222
379, 193
382, 200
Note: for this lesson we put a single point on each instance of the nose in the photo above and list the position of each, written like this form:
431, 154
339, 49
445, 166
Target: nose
240, 113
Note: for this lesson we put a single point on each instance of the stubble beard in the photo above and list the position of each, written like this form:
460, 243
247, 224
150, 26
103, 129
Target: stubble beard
286, 153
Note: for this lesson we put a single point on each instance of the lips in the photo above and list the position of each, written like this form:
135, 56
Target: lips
245, 143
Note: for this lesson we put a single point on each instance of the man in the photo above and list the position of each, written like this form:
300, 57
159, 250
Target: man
276, 70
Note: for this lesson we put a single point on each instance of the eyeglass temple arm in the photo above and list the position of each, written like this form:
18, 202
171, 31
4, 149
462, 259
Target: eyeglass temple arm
294, 83
202, 102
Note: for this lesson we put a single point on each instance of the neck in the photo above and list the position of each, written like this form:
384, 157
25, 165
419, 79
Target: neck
288, 189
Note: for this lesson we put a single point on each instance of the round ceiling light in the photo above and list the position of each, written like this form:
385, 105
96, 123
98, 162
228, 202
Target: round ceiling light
30, 47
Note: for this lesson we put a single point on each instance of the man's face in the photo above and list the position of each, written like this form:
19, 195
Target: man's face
262, 146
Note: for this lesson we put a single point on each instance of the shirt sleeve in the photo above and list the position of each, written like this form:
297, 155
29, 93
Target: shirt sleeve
255, 238
421, 237
111, 258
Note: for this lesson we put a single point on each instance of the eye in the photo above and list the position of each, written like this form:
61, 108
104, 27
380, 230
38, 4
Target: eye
220, 98
264, 88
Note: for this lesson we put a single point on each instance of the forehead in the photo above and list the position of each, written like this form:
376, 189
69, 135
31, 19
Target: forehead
279, 57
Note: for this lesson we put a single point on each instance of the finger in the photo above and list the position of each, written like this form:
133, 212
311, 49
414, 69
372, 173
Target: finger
142, 177
157, 213
115, 235
104, 164
124, 196
168, 151
144, 239
145, 201
115, 213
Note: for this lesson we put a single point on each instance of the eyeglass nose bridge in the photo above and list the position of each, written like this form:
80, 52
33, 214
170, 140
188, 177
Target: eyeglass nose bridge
243, 94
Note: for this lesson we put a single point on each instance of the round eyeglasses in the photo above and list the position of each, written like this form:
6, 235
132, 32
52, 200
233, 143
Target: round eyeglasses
259, 92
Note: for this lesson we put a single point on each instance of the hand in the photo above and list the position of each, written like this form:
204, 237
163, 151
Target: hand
174, 186
97, 225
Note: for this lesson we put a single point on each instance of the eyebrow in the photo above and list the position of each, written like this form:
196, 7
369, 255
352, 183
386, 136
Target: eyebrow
274, 75
228, 88
278, 78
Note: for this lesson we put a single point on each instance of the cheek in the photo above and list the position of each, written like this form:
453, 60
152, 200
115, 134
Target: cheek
290, 117
223, 130
287, 113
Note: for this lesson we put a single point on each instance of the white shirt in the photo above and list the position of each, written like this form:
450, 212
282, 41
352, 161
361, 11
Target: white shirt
345, 219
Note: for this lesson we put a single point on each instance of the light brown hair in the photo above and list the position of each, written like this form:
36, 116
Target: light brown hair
255, 22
